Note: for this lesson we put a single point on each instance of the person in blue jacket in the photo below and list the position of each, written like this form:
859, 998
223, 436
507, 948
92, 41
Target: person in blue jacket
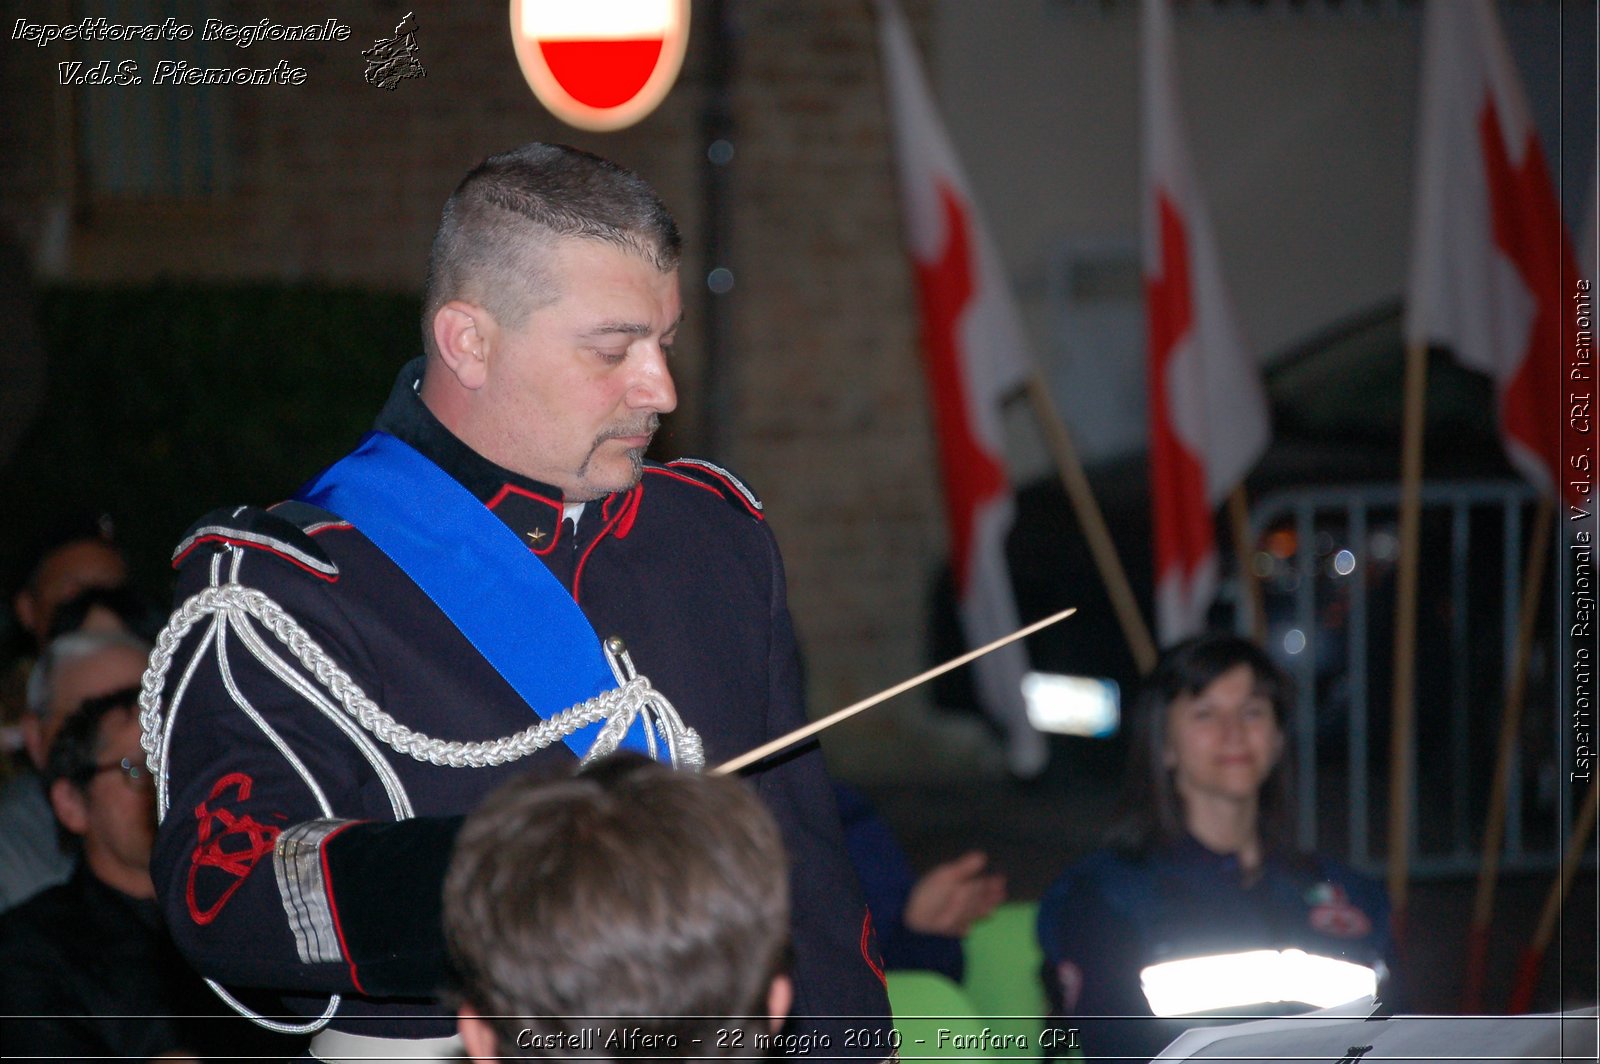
1199, 905
919, 920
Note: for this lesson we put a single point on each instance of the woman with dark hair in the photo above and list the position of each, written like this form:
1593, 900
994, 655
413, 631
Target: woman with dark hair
1199, 906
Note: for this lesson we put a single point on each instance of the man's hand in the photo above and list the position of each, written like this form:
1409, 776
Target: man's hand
952, 896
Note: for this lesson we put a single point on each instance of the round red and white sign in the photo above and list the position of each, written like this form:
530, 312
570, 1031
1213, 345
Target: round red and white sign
600, 64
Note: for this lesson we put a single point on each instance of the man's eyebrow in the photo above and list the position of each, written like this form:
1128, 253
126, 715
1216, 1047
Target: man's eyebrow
626, 328
630, 328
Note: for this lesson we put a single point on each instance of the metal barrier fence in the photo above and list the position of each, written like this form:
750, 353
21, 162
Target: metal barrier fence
1326, 557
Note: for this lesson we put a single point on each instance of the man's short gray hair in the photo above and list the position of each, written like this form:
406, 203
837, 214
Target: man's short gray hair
63, 651
502, 221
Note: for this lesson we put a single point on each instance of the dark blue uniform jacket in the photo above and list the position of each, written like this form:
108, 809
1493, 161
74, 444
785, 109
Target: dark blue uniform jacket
269, 884
1110, 915
887, 880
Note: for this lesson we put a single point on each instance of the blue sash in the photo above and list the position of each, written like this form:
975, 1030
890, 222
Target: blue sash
478, 572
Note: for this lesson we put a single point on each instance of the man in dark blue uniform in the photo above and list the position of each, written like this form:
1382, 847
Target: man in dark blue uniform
332, 707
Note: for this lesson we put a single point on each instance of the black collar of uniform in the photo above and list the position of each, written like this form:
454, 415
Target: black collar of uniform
532, 509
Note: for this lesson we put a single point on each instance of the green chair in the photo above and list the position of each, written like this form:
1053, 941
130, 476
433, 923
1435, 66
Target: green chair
934, 1018
1002, 976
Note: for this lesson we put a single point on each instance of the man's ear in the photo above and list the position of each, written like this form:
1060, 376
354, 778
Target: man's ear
463, 332
70, 807
476, 1034
780, 997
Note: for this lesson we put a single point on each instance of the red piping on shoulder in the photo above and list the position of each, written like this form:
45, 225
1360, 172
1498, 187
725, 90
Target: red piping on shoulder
702, 485
291, 559
736, 490
733, 489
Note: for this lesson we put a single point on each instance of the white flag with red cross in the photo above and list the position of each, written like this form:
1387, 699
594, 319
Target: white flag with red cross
1208, 412
975, 355
1492, 267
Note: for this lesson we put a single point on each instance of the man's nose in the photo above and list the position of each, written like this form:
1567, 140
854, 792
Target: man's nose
652, 388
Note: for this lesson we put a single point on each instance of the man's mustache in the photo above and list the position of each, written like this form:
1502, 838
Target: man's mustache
647, 427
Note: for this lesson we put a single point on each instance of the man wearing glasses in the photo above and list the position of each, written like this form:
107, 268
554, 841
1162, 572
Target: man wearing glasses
89, 970
71, 669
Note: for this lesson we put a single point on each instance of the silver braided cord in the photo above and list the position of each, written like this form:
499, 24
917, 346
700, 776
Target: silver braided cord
618, 708
236, 604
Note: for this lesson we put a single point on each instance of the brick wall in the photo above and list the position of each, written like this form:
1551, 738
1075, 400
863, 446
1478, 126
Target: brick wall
833, 425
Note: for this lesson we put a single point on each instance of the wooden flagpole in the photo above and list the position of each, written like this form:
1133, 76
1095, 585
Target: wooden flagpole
1527, 980
1093, 523
1244, 552
1510, 728
783, 742
1405, 635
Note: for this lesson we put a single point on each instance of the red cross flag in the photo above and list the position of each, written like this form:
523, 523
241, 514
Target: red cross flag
1208, 413
1492, 267
600, 64
974, 353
